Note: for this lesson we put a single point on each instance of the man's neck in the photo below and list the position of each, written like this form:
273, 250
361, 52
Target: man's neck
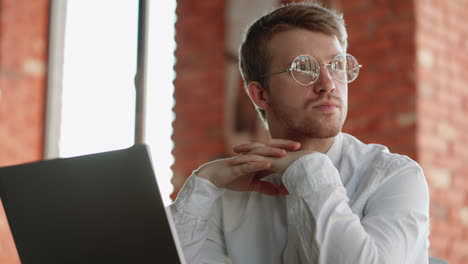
321, 145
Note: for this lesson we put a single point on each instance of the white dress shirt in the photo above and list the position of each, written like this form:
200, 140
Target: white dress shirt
356, 204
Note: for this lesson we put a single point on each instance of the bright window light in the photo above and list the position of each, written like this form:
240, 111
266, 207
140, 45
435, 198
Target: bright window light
98, 103
160, 90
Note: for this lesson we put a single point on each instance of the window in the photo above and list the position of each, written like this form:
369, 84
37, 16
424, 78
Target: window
98, 92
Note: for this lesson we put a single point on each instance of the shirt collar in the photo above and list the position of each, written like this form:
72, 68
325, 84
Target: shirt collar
335, 151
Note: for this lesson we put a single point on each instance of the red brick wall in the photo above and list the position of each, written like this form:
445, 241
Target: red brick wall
442, 105
199, 92
23, 60
382, 101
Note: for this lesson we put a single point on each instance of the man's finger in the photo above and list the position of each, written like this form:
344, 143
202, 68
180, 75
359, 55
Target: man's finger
268, 152
284, 144
250, 167
239, 171
247, 147
238, 160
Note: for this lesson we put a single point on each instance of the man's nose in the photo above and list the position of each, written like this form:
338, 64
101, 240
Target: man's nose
325, 82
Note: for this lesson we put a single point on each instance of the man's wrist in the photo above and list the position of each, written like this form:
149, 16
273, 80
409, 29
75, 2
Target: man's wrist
197, 196
204, 174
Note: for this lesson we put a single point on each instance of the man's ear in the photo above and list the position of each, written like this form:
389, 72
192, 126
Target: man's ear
258, 95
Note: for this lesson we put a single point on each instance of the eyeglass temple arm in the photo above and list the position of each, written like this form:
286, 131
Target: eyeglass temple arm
273, 73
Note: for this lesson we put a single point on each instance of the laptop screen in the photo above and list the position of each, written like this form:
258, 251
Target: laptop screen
98, 208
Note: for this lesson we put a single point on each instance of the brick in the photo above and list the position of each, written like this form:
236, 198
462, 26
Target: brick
425, 58
446, 130
438, 211
34, 67
439, 242
438, 177
463, 214
406, 119
426, 89
460, 251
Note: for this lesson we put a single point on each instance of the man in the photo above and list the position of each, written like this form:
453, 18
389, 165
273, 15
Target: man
312, 194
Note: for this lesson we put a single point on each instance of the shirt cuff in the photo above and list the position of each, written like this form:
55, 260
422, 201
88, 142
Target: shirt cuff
197, 196
311, 173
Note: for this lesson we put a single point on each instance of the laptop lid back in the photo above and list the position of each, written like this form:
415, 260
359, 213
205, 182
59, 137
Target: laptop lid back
98, 208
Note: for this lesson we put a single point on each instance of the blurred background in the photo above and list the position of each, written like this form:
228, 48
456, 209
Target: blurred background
67, 88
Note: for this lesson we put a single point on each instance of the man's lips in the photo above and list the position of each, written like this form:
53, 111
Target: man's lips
327, 105
326, 108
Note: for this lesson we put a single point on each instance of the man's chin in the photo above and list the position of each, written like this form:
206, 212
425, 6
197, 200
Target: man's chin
325, 133
324, 129
319, 131
321, 127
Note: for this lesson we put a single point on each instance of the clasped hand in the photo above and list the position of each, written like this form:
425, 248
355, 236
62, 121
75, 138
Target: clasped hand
254, 162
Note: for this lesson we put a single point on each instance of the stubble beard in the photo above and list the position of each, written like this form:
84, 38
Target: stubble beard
307, 128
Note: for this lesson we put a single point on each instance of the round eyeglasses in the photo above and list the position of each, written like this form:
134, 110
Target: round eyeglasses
305, 69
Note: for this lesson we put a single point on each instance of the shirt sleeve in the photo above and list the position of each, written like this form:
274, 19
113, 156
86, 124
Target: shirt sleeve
393, 229
197, 218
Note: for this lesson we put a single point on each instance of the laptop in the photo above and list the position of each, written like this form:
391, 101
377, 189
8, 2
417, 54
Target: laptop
98, 208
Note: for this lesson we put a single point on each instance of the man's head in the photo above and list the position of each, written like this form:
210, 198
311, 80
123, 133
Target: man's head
270, 45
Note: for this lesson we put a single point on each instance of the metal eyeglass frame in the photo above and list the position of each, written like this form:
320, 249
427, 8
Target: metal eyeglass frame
328, 65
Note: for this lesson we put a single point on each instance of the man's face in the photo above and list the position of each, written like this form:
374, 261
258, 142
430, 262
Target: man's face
300, 111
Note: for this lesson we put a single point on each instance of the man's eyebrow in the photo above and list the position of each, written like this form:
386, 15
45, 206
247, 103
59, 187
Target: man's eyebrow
330, 58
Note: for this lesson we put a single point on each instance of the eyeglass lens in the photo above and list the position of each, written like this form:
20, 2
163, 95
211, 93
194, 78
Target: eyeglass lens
305, 69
